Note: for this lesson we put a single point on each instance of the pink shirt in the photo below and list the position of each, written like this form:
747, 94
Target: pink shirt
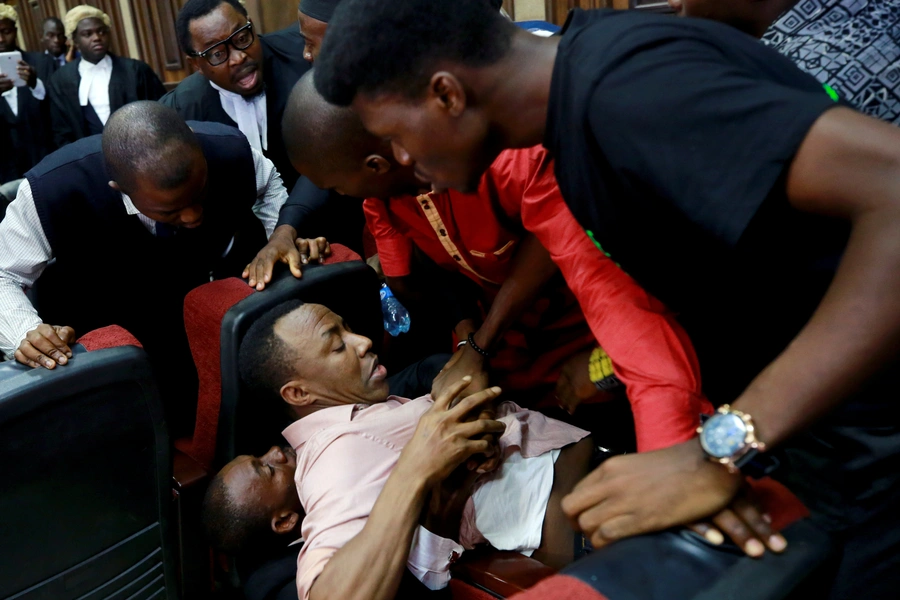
345, 455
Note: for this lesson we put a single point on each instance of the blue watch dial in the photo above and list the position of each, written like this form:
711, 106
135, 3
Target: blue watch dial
723, 435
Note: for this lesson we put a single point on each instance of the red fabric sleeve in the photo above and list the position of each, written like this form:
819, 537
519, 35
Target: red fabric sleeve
651, 353
394, 249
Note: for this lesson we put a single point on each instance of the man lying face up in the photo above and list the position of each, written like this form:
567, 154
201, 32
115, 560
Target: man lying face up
388, 482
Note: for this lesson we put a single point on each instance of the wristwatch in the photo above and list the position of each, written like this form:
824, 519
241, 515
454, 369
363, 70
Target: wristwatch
728, 437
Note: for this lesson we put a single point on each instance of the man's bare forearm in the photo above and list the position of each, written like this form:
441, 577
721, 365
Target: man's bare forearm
371, 565
847, 167
855, 330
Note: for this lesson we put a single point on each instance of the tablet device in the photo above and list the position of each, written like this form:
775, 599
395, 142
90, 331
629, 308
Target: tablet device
9, 63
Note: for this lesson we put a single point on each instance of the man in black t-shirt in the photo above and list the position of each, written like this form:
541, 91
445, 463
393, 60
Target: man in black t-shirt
730, 185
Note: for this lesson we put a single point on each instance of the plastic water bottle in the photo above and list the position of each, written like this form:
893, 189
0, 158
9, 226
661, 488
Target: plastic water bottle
395, 315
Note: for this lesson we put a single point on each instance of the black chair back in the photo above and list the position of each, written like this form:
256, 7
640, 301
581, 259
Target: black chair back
86, 481
680, 565
248, 424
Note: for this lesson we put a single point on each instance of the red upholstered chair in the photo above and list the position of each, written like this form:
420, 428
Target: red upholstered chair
194, 457
204, 309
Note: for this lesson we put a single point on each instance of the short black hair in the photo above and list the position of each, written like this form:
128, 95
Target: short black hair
55, 21
374, 46
151, 139
315, 130
194, 9
230, 526
266, 361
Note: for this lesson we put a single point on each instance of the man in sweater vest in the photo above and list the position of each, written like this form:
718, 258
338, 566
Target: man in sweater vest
162, 206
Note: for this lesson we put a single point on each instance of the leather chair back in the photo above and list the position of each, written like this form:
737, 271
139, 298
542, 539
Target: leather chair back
248, 424
86, 480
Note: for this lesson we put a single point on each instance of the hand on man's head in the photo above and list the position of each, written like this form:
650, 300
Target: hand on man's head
46, 346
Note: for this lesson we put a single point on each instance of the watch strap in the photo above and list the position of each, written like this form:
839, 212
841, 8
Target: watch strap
757, 464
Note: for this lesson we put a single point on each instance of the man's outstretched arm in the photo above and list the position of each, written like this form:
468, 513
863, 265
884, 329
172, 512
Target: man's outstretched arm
530, 271
24, 254
848, 166
371, 565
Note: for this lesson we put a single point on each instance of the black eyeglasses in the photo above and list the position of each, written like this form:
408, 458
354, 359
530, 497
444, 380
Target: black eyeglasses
218, 53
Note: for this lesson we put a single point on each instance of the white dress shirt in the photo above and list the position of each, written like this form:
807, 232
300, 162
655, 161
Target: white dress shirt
250, 114
12, 96
94, 86
25, 250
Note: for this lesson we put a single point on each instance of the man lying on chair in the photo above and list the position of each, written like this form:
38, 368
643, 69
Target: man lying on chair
388, 482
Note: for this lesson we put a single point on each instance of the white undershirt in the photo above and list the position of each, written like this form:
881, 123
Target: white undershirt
94, 86
250, 114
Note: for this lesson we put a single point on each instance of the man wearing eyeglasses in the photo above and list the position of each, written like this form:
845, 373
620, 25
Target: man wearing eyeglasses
244, 80
85, 92
239, 82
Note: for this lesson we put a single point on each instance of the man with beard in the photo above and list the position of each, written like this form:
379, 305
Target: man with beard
244, 80
85, 92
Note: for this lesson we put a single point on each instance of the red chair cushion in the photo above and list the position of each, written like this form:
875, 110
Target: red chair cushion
204, 309
341, 254
781, 504
107, 337
559, 587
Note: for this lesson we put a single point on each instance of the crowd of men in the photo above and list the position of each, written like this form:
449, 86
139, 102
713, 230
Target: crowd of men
666, 207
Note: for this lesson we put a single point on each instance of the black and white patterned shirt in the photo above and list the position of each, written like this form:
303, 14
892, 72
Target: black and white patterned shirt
851, 45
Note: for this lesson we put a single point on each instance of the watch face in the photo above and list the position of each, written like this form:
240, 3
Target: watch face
723, 435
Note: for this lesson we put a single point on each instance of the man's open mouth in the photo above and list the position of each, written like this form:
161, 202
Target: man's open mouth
378, 371
247, 76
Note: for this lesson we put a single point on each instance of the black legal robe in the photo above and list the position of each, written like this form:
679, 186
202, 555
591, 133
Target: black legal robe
42, 63
131, 80
311, 211
26, 135
283, 65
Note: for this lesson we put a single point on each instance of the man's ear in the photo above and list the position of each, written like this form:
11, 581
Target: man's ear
285, 521
377, 164
194, 61
448, 91
295, 393
115, 186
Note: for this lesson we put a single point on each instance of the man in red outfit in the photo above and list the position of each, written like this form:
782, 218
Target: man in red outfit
511, 236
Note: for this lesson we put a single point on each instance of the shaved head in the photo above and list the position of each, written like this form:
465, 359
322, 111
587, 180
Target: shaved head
151, 142
329, 145
316, 132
